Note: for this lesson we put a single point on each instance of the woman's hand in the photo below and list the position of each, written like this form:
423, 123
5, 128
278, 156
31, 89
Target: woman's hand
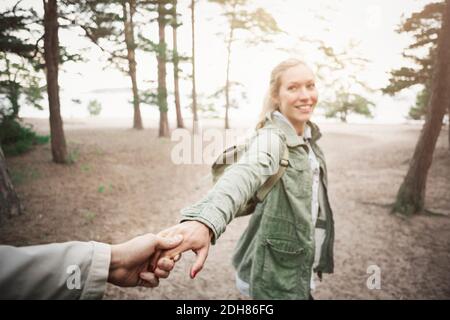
129, 260
196, 237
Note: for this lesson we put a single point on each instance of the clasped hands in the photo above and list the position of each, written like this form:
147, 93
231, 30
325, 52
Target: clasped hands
196, 237
143, 260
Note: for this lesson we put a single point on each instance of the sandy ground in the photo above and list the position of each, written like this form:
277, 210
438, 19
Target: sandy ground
123, 184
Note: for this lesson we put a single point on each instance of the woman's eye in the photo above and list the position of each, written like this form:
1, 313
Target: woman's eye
311, 86
291, 88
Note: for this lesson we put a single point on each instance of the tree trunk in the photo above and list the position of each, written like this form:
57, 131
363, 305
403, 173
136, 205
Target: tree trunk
227, 82
163, 125
51, 55
128, 14
343, 115
411, 195
180, 123
194, 92
162, 88
9, 201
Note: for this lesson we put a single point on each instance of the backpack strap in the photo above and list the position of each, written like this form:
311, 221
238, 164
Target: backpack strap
264, 190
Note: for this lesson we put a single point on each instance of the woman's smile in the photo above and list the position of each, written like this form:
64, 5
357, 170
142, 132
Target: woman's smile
304, 108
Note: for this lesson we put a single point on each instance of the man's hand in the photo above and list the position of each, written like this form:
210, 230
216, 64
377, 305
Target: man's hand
130, 260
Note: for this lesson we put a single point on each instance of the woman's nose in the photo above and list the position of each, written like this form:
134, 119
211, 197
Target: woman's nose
303, 95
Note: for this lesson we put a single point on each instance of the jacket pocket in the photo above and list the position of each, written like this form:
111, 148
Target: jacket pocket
298, 178
299, 164
283, 261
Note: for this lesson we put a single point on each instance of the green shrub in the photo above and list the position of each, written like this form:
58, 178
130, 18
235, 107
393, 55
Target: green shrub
17, 138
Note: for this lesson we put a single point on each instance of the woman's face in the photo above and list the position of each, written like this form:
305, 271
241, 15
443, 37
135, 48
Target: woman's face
297, 95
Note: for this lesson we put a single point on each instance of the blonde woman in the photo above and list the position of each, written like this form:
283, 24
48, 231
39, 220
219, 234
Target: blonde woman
291, 233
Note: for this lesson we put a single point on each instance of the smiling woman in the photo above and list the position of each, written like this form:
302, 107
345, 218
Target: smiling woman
291, 233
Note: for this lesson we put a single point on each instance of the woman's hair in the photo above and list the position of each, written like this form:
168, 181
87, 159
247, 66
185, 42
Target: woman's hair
269, 104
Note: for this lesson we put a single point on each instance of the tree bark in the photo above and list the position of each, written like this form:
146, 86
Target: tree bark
128, 14
51, 56
194, 91
9, 201
227, 82
162, 88
411, 195
180, 123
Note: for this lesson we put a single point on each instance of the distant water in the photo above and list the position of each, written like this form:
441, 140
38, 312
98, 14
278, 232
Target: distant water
116, 103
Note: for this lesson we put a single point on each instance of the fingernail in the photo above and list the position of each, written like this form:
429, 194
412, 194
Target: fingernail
194, 273
178, 237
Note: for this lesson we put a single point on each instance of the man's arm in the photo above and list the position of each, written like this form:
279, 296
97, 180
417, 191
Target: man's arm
78, 270
71, 270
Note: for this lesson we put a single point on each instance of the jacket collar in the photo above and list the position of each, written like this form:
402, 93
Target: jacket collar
292, 139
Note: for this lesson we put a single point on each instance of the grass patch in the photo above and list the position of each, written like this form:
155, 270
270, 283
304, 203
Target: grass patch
85, 167
103, 188
20, 176
73, 156
89, 216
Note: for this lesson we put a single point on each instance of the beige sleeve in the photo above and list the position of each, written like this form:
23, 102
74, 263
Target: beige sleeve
71, 270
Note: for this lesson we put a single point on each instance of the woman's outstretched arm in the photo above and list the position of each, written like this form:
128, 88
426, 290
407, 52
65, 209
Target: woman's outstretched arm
204, 222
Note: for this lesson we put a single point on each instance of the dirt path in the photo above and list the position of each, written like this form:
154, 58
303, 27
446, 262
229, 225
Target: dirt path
123, 184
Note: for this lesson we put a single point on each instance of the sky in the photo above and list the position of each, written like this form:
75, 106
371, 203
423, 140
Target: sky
370, 23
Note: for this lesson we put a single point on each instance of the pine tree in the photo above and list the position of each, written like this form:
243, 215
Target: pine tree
424, 27
411, 195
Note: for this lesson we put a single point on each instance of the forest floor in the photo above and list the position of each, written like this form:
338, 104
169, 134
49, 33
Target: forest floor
123, 183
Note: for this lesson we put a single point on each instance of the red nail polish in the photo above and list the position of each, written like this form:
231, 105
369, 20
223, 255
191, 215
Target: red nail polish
194, 273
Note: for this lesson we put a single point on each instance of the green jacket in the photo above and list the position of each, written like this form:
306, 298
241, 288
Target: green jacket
275, 254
